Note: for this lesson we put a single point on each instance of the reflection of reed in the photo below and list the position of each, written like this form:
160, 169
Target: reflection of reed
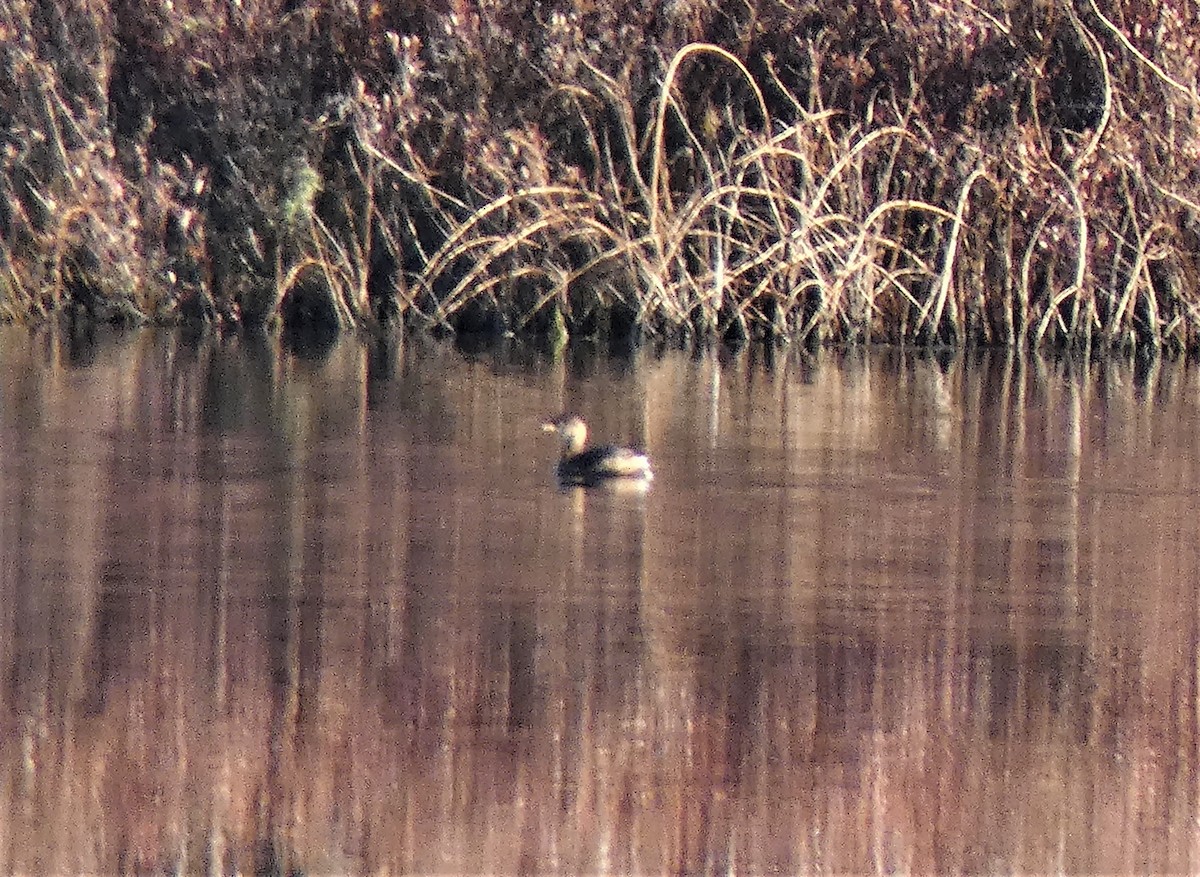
383, 655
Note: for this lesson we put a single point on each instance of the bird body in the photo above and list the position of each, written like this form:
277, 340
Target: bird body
587, 466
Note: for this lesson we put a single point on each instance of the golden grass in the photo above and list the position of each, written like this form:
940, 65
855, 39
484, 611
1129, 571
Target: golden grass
977, 174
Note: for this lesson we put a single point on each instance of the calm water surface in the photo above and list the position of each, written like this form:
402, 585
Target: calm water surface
878, 612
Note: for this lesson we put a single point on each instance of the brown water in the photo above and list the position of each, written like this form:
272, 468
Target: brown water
876, 613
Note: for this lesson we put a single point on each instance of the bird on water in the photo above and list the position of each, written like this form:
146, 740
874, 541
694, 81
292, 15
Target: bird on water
589, 466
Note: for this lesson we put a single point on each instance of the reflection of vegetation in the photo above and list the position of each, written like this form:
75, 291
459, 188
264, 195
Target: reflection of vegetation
291, 636
963, 172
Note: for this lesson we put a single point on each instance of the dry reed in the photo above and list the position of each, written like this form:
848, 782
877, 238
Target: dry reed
987, 173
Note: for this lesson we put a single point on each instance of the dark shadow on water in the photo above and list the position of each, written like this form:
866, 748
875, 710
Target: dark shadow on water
269, 863
311, 342
475, 345
239, 384
86, 341
385, 354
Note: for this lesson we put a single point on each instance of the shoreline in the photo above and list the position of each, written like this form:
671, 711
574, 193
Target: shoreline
888, 174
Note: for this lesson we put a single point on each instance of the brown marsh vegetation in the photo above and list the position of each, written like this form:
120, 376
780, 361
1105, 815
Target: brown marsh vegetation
991, 171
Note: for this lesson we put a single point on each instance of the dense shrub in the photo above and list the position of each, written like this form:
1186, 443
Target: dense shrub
992, 171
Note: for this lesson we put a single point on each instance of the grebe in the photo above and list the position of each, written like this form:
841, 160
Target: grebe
594, 465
